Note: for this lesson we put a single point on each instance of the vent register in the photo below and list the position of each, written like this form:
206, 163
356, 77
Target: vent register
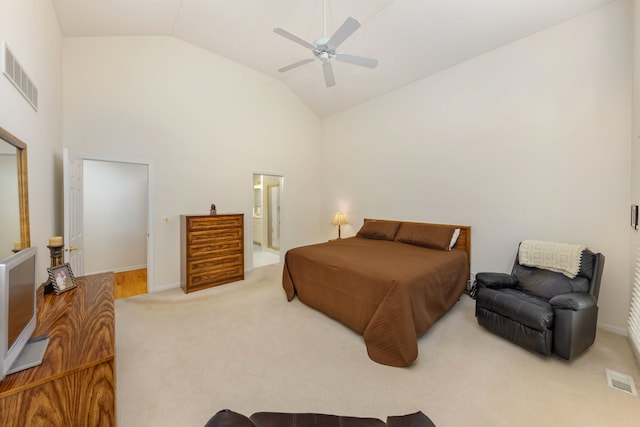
620, 381
12, 69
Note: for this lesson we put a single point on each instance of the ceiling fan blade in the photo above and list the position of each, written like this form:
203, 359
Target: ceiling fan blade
286, 34
329, 80
346, 29
295, 64
357, 60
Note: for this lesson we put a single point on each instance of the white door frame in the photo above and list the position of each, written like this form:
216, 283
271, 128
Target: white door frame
248, 227
149, 165
274, 220
73, 193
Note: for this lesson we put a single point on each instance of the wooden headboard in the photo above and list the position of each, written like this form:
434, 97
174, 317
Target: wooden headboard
464, 240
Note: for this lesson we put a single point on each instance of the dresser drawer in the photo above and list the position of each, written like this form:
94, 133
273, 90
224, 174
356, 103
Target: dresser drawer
214, 236
217, 276
213, 223
214, 250
208, 264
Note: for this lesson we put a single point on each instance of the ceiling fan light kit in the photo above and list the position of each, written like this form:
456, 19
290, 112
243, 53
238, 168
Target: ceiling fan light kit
325, 48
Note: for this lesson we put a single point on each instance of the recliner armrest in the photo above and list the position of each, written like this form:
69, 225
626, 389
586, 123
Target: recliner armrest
229, 418
573, 301
496, 280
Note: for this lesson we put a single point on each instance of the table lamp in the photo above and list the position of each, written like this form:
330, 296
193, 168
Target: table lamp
339, 219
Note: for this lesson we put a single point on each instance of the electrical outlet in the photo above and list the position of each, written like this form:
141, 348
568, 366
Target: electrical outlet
164, 220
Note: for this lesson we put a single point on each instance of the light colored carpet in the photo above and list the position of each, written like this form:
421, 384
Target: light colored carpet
181, 358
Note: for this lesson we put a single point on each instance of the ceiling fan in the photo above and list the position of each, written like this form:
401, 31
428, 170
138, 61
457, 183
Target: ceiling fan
325, 48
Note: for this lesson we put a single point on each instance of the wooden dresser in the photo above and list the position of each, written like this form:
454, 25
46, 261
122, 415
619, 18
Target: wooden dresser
211, 250
75, 385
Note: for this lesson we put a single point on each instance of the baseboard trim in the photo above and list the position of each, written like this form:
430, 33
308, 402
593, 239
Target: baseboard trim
162, 288
613, 329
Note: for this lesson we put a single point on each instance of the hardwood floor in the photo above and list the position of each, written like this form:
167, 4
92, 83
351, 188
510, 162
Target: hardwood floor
130, 283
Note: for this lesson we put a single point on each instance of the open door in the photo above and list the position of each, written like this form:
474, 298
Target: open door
73, 205
106, 228
266, 198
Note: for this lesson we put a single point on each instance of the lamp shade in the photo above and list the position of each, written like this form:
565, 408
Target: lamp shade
339, 219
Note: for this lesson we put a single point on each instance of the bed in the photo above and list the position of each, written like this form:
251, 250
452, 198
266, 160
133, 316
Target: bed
389, 283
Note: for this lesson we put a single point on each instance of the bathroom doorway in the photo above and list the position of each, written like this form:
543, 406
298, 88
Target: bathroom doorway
266, 196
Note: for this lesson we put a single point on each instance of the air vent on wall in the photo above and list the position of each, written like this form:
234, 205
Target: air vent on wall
16, 75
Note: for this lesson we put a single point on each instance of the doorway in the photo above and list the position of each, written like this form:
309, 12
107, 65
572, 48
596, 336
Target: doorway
115, 223
109, 217
266, 198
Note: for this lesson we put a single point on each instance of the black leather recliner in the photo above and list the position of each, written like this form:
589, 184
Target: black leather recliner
228, 418
542, 310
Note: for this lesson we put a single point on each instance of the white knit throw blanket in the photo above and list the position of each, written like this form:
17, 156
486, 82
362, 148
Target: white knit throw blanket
560, 257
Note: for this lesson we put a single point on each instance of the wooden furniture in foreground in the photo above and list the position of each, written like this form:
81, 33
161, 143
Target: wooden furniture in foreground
75, 384
211, 250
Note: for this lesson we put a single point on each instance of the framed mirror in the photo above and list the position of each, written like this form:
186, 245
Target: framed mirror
14, 218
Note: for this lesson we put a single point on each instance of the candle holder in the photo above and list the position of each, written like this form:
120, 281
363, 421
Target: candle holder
56, 253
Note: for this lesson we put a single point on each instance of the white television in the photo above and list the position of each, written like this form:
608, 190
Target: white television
18, 313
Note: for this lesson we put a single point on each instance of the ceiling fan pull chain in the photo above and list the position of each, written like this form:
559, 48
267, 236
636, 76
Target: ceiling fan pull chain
324, 19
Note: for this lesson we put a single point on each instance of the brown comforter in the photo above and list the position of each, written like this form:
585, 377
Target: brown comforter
389, 292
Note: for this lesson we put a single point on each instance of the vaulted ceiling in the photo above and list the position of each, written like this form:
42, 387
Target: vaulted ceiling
411, 39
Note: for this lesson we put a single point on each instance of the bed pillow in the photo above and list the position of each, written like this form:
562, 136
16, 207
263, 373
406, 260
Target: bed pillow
380, 230
426, 235
454, 238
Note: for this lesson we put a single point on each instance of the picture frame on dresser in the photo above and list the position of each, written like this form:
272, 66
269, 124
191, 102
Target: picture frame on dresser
62, 278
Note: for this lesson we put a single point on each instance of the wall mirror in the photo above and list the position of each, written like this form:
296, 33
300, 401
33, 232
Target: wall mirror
14, 195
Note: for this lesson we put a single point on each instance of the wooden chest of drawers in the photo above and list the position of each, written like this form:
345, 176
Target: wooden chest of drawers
211, 250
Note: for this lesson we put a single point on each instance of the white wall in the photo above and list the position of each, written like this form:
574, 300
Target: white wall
204, 122
635, 146
31, 29
530, 141
635, 164
115, 216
